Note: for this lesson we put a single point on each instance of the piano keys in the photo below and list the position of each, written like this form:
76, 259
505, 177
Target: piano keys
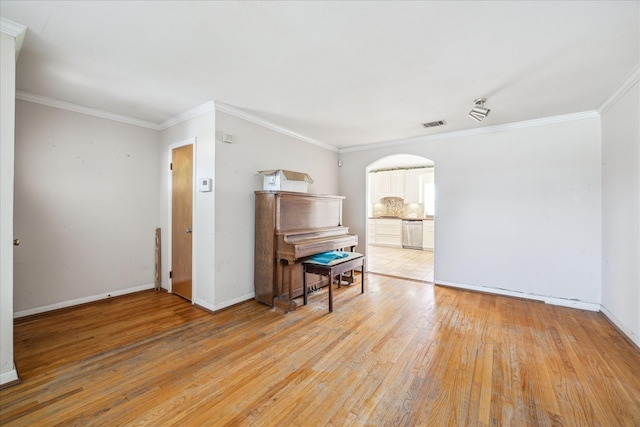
289, 228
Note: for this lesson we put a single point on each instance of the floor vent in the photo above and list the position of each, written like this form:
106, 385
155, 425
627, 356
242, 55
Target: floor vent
434, 124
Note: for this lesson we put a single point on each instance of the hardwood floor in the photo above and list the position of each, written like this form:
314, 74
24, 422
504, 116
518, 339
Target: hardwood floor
404, 353
398, 262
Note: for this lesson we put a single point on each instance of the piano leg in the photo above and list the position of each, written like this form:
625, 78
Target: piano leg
285, 299
279, 281
290, 290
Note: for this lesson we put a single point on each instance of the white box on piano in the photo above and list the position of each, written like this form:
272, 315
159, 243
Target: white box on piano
284, 180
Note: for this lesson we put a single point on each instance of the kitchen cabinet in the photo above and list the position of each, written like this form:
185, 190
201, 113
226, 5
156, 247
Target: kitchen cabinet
378, 186
412, 193
371, 231
407, 184
388, 184
373, 188
428, 228
388, 232
396, 184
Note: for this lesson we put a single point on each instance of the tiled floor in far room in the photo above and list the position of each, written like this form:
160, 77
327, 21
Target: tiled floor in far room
408, 263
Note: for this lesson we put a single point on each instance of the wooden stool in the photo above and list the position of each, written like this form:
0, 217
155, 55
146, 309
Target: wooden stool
333, 269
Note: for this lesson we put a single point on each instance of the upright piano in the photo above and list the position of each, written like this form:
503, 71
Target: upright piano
290, 227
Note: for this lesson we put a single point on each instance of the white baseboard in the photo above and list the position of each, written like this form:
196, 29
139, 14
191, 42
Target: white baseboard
235, 301
621, 326
564, 302
213, 308
204, 304
9, 377
572, 303
71, 303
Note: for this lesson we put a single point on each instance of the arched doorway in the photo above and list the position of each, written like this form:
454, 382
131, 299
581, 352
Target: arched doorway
401, 217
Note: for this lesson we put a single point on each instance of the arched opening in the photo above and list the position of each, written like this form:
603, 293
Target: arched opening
401, 217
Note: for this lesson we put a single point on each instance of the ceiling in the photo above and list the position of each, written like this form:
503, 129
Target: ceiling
339, 73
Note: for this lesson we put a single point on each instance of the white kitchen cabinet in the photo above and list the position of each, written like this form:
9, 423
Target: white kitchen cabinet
371, 231
388, 232
412, 193
405, 184
396, 183
428, 228
388, 184
373, 188
379, 185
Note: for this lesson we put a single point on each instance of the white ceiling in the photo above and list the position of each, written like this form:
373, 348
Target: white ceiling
341, 73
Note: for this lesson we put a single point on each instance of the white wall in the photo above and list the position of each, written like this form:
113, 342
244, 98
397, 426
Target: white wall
90, 193
7, 115
86, 207
255, 148
621, 212
517, 210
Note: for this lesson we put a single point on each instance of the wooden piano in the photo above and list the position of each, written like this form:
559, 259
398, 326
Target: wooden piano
290, 227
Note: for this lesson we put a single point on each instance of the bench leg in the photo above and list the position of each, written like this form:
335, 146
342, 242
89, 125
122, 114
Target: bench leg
331, 271
330, 292
304, 286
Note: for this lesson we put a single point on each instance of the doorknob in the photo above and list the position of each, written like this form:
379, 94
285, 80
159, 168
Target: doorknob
188, 230
16, 242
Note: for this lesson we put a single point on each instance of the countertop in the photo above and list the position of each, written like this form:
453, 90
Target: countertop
425, 218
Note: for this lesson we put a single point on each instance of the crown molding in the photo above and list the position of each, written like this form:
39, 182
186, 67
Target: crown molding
233, 111
219, 106
620, 92
50, 102
11, 28
188, 115
14, 30
477, 131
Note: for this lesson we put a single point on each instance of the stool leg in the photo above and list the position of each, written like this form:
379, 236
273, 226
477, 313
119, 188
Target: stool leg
330, 294
331, 276
362, 279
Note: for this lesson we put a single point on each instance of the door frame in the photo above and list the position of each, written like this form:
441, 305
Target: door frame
190, 141
367, 200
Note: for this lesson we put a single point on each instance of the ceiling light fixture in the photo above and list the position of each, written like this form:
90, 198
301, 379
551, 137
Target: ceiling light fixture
478, 112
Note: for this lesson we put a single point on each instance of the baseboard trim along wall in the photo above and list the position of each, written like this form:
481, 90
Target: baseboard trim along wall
213, 309
10, 377
203, 304
563, 302
621, 327
71, 303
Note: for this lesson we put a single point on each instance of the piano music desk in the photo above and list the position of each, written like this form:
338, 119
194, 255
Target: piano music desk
333, 269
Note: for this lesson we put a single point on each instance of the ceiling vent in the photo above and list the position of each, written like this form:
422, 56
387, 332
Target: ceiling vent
434, 124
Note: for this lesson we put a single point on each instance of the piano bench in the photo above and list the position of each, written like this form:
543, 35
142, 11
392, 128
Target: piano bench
333, 269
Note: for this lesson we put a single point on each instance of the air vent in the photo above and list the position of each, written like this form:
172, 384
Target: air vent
434, 124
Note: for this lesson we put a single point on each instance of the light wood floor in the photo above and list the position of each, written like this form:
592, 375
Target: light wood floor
405, 263
404, 353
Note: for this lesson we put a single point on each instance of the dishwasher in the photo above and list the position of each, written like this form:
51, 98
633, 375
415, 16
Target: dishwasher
412, 233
